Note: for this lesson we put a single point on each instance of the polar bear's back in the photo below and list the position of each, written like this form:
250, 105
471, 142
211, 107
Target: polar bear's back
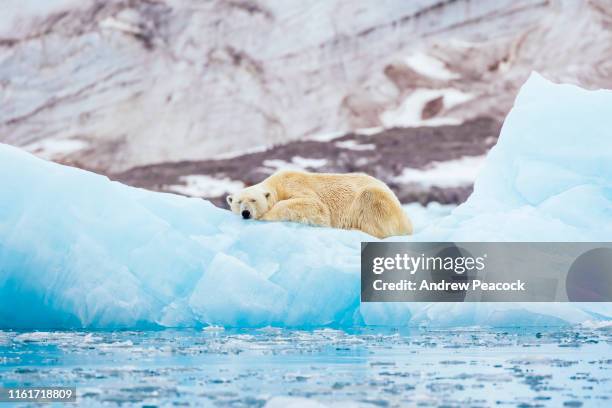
352, 200
328, 186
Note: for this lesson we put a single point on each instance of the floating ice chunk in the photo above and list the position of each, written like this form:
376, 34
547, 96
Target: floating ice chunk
550, 173
299, 402
77, 250
251, 299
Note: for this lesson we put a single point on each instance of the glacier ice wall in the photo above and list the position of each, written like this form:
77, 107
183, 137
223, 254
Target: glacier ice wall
77, 250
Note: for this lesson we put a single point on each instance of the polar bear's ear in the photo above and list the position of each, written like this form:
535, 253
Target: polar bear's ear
229, 199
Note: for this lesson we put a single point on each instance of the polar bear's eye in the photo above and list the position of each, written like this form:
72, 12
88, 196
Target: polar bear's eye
253, 201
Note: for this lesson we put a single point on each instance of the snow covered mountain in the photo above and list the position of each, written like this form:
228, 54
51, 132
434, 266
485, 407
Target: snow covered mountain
110, 85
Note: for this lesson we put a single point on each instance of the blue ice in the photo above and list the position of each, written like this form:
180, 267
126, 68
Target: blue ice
77, 250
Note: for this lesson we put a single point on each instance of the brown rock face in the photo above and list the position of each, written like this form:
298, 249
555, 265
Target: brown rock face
384, 155
432, 108
118, 84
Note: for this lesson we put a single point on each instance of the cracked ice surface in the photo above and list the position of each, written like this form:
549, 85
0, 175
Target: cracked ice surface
77, 250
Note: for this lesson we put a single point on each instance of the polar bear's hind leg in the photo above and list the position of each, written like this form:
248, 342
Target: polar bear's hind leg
378, 214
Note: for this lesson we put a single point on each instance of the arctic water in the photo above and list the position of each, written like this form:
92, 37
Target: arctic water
570, 366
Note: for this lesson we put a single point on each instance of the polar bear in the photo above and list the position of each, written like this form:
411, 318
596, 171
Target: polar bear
348, 201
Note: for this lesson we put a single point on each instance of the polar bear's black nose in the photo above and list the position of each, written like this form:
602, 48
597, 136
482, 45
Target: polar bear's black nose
246, 214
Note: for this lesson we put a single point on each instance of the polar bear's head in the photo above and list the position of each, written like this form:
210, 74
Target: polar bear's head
252, 202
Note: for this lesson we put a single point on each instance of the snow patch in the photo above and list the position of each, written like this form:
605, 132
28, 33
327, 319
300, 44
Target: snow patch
200, 185
297, 163
451, 173
326, 137
353, 145
330, 136
369, 131
429, 66
52, 149
408, 114
115, 24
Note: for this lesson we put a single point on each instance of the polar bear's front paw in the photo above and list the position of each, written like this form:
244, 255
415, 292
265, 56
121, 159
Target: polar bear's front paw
305, 211
271, 216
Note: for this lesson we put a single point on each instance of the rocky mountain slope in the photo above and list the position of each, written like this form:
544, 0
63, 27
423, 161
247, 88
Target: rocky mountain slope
111, 85
426, 164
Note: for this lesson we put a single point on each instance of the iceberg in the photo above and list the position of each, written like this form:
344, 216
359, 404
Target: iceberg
80, 251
